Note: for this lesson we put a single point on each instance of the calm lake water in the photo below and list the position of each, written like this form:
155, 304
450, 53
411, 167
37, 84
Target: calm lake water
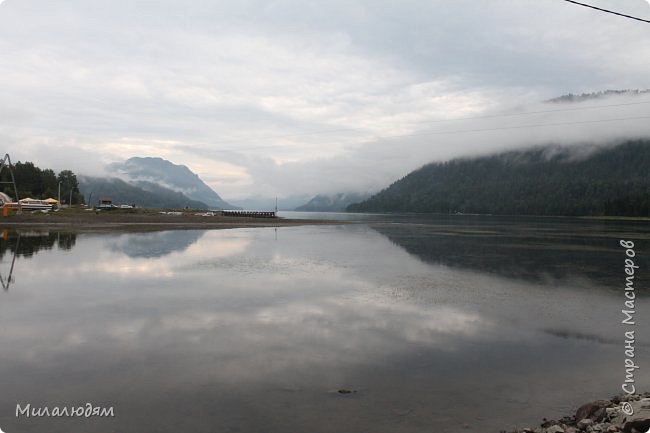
437, 324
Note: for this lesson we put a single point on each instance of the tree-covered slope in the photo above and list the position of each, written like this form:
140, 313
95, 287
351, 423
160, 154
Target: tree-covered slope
124, 193
331, 203
152, 173
613, 180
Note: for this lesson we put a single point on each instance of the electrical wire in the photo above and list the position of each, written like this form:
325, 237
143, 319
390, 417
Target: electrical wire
429, 133
608, 11
537, 125
425, 122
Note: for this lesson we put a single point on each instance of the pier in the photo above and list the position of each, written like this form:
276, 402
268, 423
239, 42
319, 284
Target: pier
249, 213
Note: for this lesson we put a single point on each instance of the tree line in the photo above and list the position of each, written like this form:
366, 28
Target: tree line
34, 182
610, 181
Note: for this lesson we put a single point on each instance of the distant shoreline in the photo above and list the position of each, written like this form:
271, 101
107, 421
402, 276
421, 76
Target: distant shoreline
156, 220
493, 215
144, 220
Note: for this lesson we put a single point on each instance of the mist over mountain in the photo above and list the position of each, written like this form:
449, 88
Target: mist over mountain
152, 174
122, 192
569, 98
588, 180
331, 203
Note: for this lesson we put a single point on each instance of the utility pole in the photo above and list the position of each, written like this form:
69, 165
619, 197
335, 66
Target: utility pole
70, 202
59, 194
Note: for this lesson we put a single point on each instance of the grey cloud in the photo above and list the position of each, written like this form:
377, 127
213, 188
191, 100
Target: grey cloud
235, 90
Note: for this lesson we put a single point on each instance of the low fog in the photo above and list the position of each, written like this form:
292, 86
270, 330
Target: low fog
368, 166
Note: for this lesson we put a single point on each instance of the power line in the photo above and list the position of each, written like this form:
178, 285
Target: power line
502, 128
425, 122
525, 113
608, 11
452, 132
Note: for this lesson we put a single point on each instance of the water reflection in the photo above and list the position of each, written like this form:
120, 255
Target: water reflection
26, 243
6, 281
531, 249
155, 244
238, 331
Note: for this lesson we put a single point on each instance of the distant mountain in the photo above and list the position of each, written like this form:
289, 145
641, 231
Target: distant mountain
151, 174
613, 180
597, 95
331, 203
122, 192
268, 203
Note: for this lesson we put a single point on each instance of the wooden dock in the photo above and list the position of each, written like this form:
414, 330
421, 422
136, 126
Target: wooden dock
249, 213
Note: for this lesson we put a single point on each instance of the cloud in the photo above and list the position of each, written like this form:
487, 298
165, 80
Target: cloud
283, 98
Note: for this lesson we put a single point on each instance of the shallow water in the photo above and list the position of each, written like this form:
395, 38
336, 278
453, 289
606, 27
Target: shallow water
435, 324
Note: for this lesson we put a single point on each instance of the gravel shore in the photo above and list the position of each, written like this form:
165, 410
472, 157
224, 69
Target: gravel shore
622, 413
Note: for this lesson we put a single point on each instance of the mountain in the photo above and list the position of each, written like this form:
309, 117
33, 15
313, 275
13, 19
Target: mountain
151, 174
584, 180
122, 192
569, 98
258, 202
331, 203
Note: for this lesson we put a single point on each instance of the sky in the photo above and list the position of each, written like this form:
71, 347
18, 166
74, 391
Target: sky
288, 97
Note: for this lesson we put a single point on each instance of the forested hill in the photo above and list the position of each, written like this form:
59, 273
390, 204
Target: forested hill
612, 180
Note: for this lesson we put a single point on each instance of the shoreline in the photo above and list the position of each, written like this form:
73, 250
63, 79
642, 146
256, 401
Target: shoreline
621, 413
145, 221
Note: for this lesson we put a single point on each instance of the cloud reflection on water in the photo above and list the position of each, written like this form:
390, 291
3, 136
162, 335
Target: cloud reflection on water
263, 328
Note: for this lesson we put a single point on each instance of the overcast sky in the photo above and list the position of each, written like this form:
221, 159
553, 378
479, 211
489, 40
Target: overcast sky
264, 97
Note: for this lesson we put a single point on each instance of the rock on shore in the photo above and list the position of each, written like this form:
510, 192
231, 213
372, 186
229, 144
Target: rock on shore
622, 413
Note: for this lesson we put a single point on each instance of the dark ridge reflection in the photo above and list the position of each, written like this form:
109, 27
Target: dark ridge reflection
530, 251
26, 243
249, 330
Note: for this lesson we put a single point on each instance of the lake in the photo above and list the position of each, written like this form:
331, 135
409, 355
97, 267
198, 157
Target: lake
391, 324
